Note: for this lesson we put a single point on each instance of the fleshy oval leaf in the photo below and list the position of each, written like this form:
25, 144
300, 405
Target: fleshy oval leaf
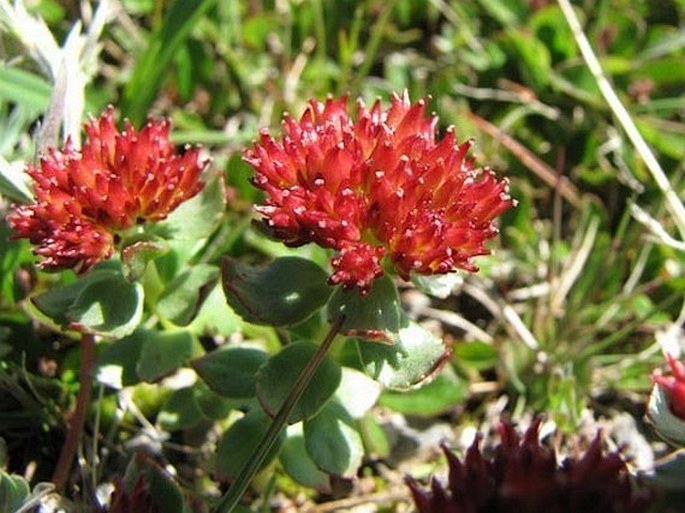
180, 410
111, 307
375, 316
357, 392
101, 302
434, 398
163, 353
333, 441
416, 356
278, 374
231, 372
299, 465
283, 293
240, 440
184, 294
14, 492
117, 364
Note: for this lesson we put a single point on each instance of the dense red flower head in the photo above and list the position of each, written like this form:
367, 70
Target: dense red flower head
382, 185
523, 476
674, 386
116, 181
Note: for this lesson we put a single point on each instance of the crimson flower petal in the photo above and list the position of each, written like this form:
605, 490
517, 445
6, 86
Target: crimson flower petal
381, 185
115, 182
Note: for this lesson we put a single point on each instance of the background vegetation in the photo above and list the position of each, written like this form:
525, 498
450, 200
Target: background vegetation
569, 316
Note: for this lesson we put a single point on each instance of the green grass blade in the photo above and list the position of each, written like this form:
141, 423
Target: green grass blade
24, 88
153, 64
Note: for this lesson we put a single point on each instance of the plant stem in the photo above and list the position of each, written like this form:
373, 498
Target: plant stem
78, 418
235, 492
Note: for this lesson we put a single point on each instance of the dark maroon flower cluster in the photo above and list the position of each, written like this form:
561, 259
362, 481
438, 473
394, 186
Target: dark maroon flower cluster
522, 476
139, 500
116, 181
378, 186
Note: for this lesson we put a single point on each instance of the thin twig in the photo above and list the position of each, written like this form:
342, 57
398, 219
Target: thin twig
78, 418
655, 227
352, 502
571, 274
528, 159
504, 312
503, 95
456, 320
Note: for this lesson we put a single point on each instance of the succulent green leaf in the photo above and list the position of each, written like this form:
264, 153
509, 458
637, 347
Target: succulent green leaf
357, 392
215, 317
110, 307
163, 353
278, 374
14, 492
102, 302
375, 316
231, 372
136, 256
434, 398
299, 465
183, 296
285, 292
416, 356
117, 364
239, 442
333, 442
57, 300
180, 411
212, 405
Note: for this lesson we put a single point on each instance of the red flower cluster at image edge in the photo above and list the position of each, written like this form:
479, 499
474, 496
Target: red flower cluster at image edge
116, 181
674, 386
380, 186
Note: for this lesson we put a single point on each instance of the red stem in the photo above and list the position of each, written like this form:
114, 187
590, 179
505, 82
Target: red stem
78, 418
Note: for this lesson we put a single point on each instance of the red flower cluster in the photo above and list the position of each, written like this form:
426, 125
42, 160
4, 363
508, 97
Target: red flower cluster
674, 385
523, 477
382, 185
117, 181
